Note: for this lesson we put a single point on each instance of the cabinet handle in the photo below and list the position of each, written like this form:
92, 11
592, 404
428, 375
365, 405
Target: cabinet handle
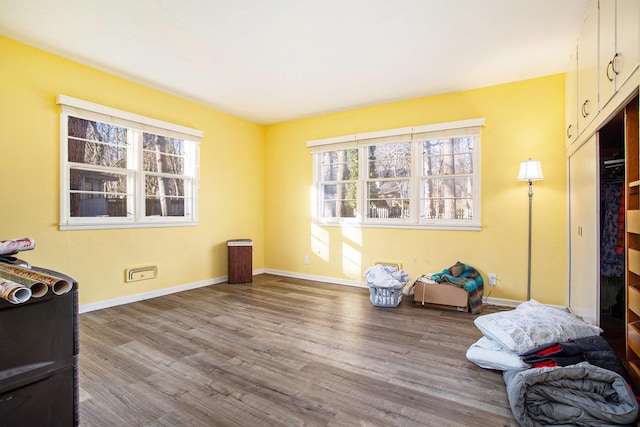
610, 67
569, 135
585, 111
614, 64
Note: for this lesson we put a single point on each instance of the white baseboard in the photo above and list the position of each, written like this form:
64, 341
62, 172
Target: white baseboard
194, 285
148, 295
502, 302
336, 281
362, 284
157, 293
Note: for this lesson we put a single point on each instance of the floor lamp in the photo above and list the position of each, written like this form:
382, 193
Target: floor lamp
530, 170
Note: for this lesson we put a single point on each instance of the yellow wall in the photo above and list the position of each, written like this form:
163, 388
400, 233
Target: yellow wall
255, 182
523, 119
231, 187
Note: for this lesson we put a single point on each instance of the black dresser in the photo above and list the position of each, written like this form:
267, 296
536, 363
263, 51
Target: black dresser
39, 347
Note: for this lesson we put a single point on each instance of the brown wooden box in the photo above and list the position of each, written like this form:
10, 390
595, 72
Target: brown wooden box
441, 295
240, 261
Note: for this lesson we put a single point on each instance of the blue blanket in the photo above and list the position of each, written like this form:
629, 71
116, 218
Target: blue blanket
466, 277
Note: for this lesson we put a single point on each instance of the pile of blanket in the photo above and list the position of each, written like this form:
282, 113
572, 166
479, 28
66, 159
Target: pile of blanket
582, 394
466, 277
557, 368
580, 381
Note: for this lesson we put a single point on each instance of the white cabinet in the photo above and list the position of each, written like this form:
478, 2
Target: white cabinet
627, 38
571, 100
588, 68
608, 54
584, 266
606, 67
619, 41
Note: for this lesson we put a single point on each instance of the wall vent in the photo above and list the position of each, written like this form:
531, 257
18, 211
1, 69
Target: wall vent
134, 274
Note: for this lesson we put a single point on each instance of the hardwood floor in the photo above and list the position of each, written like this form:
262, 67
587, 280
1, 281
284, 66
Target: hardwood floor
283, 352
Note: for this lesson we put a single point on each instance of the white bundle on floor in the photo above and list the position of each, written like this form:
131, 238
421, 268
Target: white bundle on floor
385, 276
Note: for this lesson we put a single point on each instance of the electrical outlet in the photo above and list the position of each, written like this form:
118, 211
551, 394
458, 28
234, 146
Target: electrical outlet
493, 279
306, 260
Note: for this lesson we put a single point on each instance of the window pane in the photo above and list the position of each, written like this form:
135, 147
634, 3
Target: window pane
97, 143
338, 200
447, 156
388, 199
164, 196
338, 209
98, 194
164, 206
447, 209
447, 187
163, 154
100, 182
389, 160
463, 145
447, 198
163, 187
98, 205
339, 165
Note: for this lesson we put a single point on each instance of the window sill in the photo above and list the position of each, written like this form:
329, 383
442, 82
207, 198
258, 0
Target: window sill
354, 224
86, 226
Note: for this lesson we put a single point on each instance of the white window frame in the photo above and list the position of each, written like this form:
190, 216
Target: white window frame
361, 141
137, 125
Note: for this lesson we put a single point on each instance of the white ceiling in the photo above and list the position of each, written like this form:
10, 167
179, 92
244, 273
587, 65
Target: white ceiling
276, 60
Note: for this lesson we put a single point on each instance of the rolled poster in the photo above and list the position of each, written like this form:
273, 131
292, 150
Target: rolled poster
31, 279
14, 292
9, 247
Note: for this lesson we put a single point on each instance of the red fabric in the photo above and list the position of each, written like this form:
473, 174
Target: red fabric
550, 350
621, 213
545, 364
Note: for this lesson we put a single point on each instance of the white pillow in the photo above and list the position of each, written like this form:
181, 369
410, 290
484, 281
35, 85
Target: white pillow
533, 324
489, 354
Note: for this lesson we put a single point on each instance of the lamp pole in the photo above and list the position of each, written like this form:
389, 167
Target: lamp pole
530, 171
529, 253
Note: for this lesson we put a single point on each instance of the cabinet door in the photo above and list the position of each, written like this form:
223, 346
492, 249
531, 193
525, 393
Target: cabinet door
571, 100
619, 45
627, 39
584, 285
608, 60
588, 68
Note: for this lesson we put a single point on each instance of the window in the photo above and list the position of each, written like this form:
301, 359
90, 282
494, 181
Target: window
421, 177
121, 170
337, 183
447, 179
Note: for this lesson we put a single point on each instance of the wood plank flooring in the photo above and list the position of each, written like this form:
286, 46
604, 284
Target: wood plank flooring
283, 352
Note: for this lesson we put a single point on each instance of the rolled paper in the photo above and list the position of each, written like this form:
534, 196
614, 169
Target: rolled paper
9, 247
14, 292
61, 287
30, 278
38, 289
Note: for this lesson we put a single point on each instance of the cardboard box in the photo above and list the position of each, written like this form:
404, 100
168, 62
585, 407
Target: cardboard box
441, 295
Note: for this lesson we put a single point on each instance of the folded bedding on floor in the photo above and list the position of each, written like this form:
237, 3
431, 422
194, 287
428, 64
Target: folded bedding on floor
582, 394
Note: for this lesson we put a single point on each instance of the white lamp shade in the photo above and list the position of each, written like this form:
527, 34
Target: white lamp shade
530, 170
